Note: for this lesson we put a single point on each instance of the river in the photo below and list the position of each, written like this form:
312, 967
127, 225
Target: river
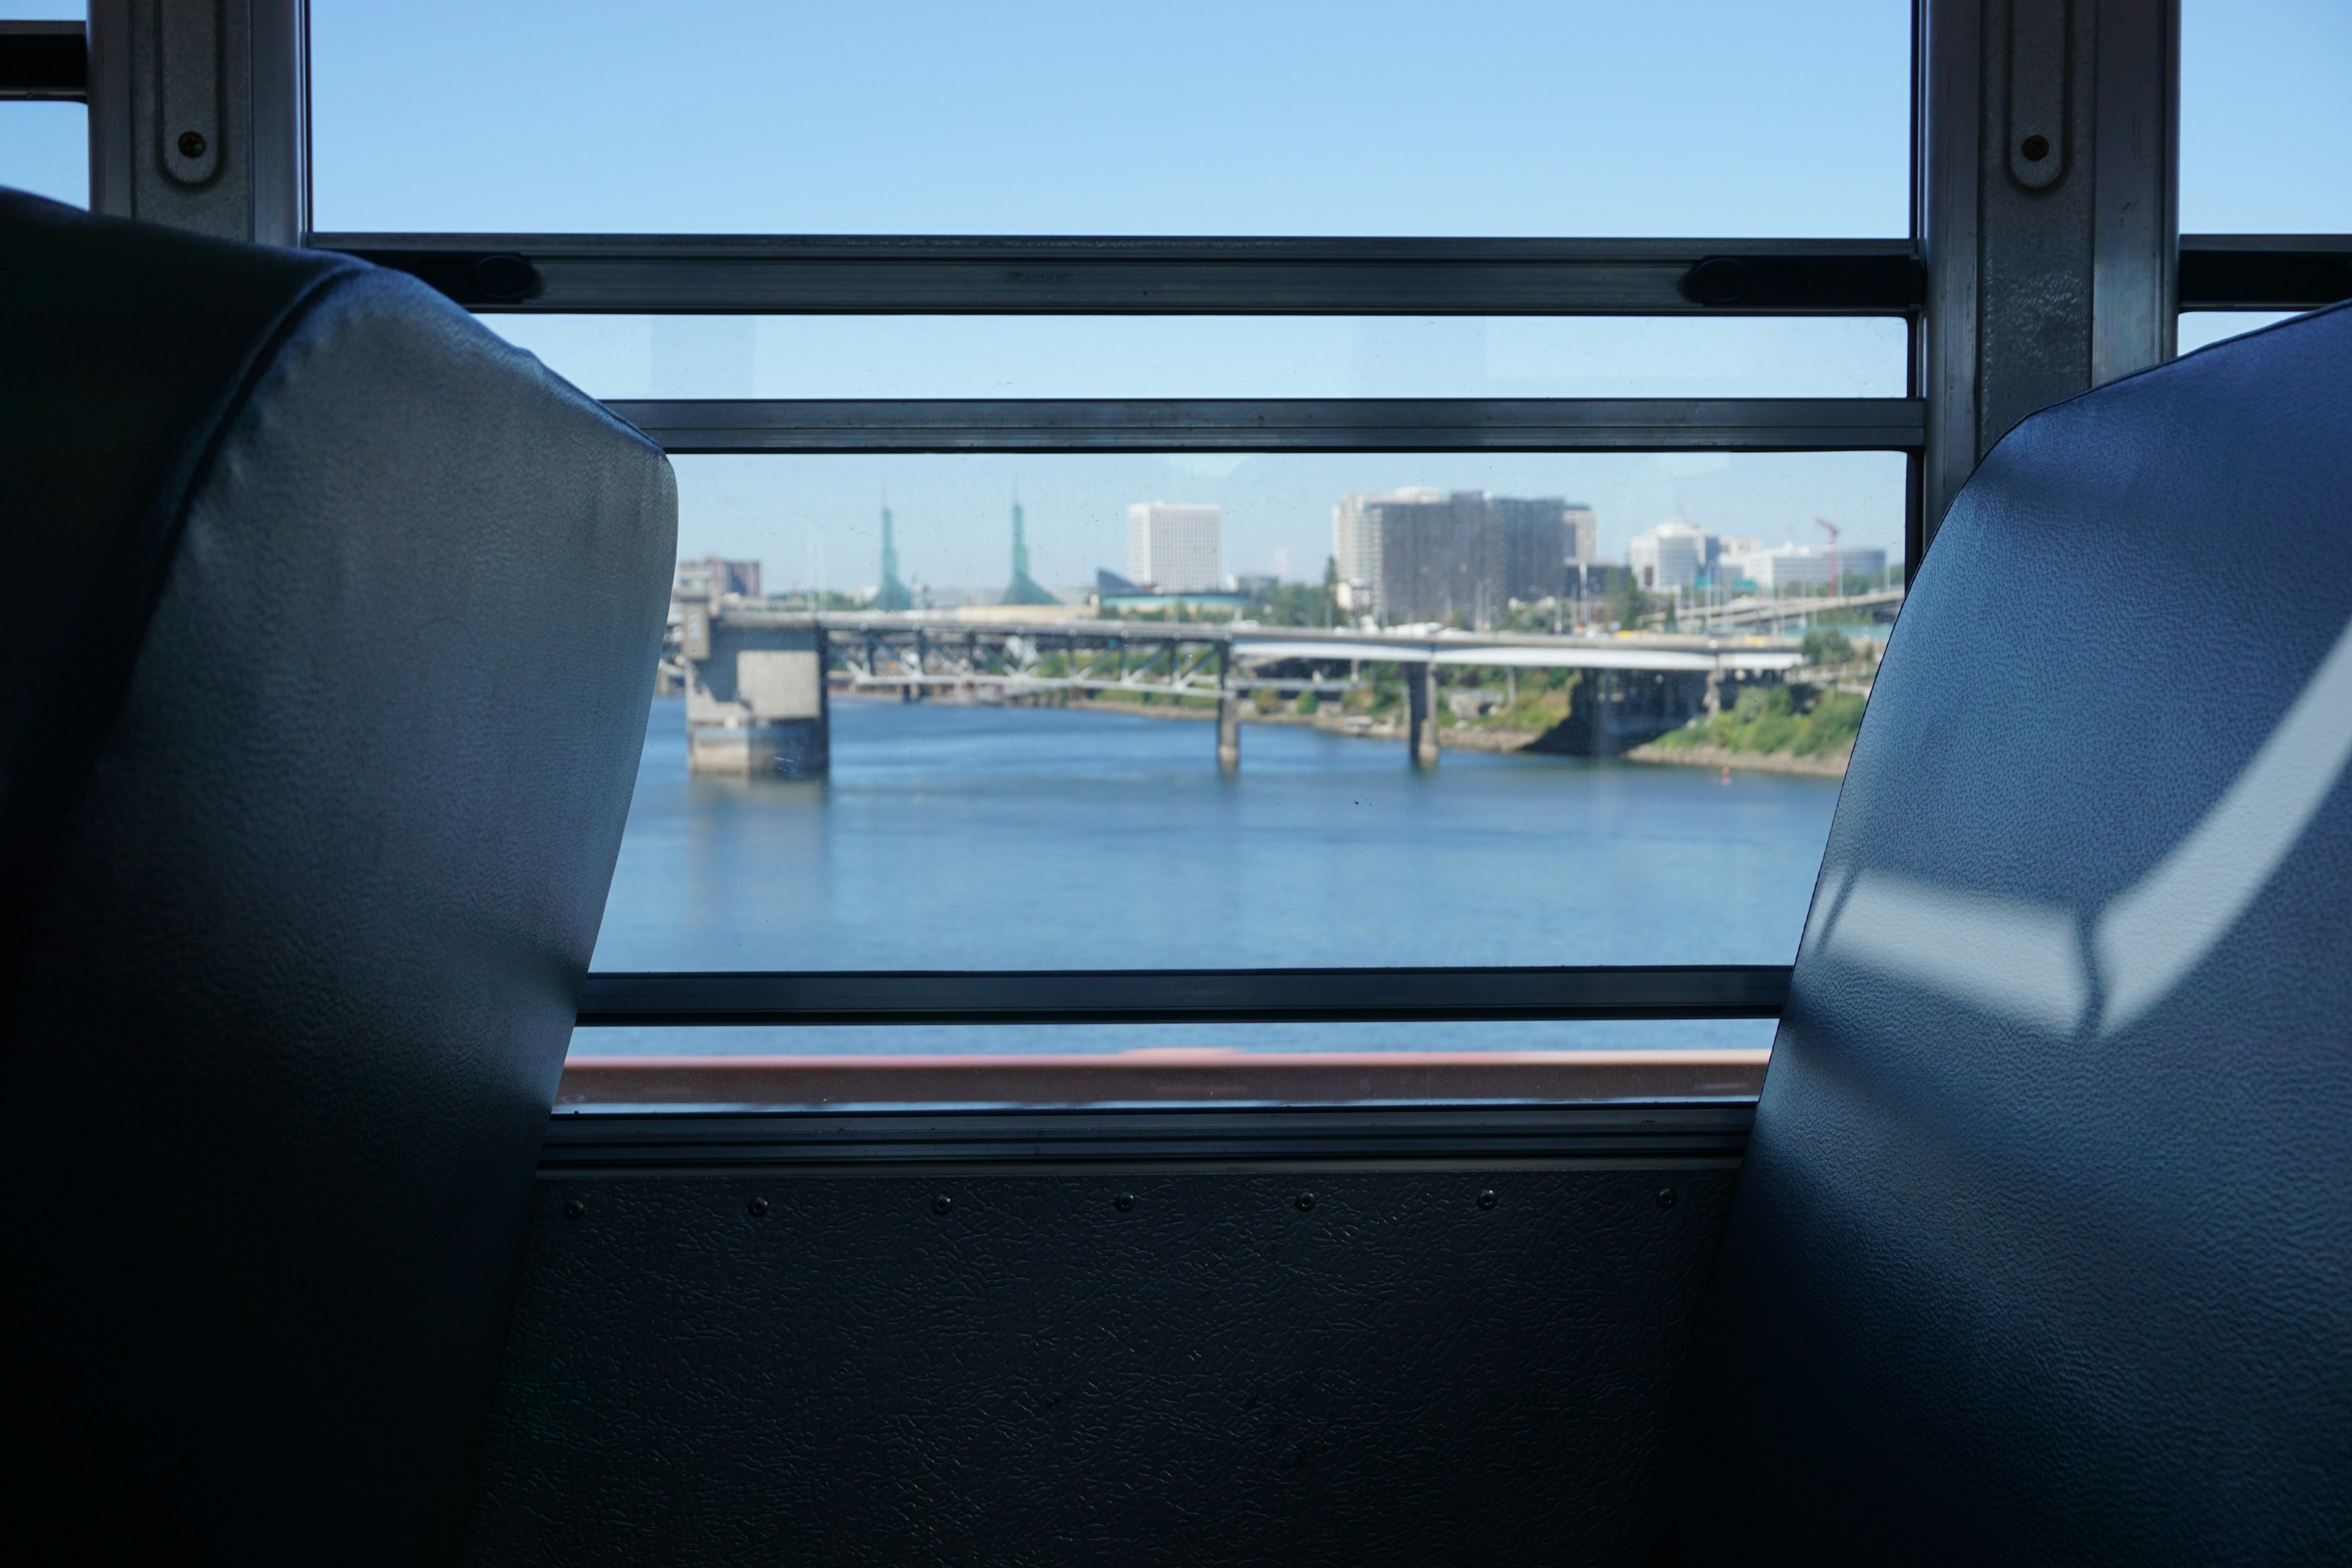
973, 837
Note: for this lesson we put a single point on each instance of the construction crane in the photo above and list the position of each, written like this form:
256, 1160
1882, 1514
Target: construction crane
1837, 582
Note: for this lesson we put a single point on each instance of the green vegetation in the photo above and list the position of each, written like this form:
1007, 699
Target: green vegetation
1766, 719
1628, 603
1543, 699
1826, 645
1306, 704
1296, 604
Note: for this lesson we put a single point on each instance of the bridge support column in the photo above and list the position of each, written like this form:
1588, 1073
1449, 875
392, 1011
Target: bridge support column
1229, 710
1420, 714
755, 699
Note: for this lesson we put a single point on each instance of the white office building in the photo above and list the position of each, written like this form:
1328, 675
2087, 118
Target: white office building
1584, 534
1785, 569
1176, 547
1674, 555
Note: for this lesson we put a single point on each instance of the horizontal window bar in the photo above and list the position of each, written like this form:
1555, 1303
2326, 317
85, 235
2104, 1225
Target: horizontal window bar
718, 274
1662, 1108
701, 274
1179, 995
2264, 272
43, 62
1294, 424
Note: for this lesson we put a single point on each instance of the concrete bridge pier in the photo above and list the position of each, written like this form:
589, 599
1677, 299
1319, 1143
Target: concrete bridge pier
1229, 713
1420, 714
755, 695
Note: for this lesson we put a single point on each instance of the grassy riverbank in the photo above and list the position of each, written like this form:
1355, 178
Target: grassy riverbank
1767, 729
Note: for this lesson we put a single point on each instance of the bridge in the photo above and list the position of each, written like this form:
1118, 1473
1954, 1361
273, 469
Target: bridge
759, 680
1879, 605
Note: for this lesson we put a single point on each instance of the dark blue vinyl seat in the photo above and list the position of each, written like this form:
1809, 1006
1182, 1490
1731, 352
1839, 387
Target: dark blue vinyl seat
2042, 1249
331, 622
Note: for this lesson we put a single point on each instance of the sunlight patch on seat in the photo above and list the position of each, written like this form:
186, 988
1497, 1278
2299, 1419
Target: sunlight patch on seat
2012, 958
2161, 927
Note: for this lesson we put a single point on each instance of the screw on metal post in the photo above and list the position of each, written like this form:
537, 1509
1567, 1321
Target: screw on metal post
1306, 1202
192, 144
1124, 1203
942, 1203
1487, 1199
2035, 148
759, 1206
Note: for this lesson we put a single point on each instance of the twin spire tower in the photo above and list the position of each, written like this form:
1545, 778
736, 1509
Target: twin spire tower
1024, 589
892, 596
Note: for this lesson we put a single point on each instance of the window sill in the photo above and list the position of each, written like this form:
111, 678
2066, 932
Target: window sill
1160, 1078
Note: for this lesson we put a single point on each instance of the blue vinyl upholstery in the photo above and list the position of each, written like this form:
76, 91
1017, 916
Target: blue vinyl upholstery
2043, 1251
330, 624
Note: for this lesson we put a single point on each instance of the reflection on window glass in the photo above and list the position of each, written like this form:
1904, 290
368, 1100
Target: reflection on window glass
1125, 712
2265, 118
45, 149
1194, 356
1484, 117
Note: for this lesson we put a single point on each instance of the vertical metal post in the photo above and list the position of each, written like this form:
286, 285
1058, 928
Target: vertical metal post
199, 115
2047, 149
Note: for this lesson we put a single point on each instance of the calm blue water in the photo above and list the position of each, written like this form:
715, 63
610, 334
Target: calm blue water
952, 838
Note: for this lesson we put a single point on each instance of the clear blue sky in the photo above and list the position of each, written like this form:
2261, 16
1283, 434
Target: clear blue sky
1265, 118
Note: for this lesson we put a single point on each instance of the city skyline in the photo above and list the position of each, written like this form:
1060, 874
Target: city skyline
949, 517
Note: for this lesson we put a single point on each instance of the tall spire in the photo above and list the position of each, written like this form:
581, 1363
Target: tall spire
892, 595
1024, 589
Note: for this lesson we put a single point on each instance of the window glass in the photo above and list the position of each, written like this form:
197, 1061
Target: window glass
45, 149
2265, 117
1230, 356
1094, 1039
1592, 801
1382, 117
2199, 327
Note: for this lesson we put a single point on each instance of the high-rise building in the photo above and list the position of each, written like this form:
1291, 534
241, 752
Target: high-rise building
1176, 547
1677, 554
1426, 555
1584, 534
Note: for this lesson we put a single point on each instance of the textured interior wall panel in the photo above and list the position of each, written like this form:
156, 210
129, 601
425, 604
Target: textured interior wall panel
1394, 1374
